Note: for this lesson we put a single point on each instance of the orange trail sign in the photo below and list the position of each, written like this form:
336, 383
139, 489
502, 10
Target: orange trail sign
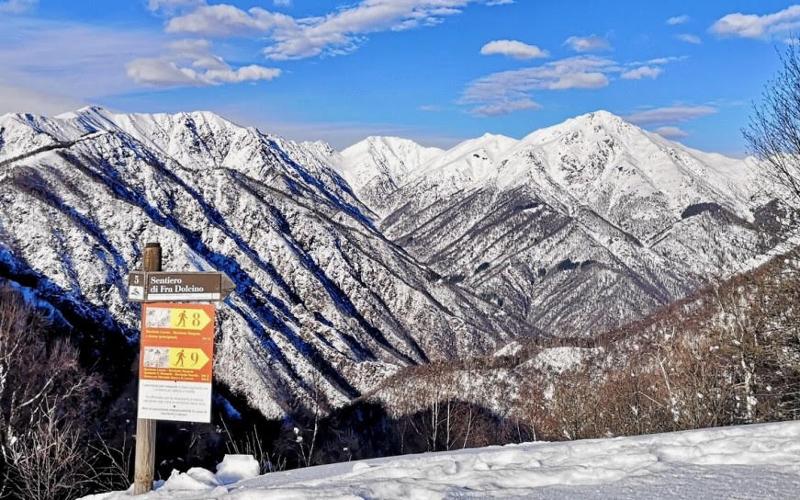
177, 355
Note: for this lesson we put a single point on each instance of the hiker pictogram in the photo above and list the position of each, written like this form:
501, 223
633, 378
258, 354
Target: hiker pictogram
188, 358
183, 318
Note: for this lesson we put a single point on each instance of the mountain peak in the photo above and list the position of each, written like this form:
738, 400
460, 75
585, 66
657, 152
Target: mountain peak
86, 110
90, 117
489, 136
320, 146
210, 117
93, 109
597, 124
388, 141
380, 163
390, 146
601, 115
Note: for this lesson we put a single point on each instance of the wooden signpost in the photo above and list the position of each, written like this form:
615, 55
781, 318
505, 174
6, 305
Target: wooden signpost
176, 351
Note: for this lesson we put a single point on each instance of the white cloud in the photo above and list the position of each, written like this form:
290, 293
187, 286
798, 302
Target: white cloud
579, 80
190, 46
337, 32
161, 73
641, 72
92, 63
592, 43
661, 60
509, 91
671, 132
492, 3
556, 75
191, 63
504, 108
670, 114
164, 73
674, 21
86, 67
689, 38
755, 26
17, 6
226, 20
282, 3
342, 31
513, 48
250, 73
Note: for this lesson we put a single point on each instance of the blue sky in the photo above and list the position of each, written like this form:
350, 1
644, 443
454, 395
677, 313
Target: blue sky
437, 71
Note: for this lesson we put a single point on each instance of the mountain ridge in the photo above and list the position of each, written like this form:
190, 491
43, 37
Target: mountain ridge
320, 295
340, 288
594, 195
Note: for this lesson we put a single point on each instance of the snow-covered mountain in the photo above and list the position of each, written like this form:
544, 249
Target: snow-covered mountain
377, 166
351, 265
322, 297
581, 226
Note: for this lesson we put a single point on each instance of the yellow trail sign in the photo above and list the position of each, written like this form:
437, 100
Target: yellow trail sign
188, 319
177, 354
187, 359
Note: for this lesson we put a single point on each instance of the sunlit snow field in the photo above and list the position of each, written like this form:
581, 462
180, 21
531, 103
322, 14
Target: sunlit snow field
757, 461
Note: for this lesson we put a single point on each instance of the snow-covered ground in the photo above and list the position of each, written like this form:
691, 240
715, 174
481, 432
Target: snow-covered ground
757, 461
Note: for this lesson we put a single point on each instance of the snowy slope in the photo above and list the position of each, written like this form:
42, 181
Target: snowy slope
581, 226
322, 297
377, 166
748, 462
474, 160
630, 176
349, 266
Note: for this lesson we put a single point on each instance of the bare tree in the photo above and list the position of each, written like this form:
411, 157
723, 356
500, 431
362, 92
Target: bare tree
46, 400
50, 461
310, 415
773, 135
115, 470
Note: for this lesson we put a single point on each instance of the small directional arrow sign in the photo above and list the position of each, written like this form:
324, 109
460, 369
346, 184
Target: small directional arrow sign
188, 319
170, 286
187, 359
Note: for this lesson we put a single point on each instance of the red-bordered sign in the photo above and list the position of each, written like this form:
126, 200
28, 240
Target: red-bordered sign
175, 362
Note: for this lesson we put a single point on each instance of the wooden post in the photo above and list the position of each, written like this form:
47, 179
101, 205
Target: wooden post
146, 428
